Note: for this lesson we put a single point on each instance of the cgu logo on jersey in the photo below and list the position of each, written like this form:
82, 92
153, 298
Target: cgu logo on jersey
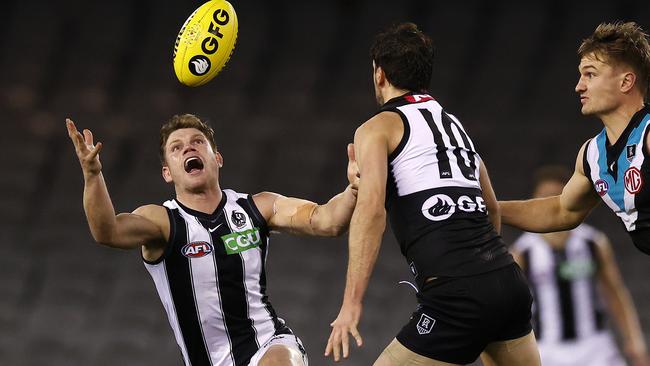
601, 187
440, 206
633, 180
241, 241
196, 249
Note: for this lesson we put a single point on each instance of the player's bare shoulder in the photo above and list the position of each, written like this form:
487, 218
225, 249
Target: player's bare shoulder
265, 202
387, 124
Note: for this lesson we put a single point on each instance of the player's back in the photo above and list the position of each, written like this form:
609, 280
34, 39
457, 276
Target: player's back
434, 198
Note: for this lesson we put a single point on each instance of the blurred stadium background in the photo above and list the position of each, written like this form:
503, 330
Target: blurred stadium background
290, 99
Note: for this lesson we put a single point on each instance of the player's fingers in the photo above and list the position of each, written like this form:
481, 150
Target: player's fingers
351, 156
345, 343
330, 345
357, 336
95, 151
88, 137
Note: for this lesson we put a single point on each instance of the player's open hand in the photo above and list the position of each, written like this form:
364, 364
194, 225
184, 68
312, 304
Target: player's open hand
87, 151
345, 324
353, 169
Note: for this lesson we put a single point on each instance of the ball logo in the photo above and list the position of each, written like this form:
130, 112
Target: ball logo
601, 187
633, 180
210, 44
438, 207
196, 249
199, 65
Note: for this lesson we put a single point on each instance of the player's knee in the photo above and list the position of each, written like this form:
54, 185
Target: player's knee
281, 356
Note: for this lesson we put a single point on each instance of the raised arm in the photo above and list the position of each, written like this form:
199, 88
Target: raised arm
147, 225
620, 304
303, 217
556, 213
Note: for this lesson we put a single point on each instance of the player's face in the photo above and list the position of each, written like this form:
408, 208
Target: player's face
192, 164
548, 188
598, 86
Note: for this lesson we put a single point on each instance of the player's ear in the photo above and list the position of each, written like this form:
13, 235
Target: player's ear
380, 76
628, 81
219, 158
166, 174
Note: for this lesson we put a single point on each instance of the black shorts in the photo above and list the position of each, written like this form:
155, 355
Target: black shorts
457, 317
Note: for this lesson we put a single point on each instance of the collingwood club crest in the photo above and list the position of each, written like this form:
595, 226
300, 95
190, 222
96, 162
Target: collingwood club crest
238, 219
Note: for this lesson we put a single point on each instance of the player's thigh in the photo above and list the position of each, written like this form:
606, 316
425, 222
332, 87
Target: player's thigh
398, 355
513, 352
281, 355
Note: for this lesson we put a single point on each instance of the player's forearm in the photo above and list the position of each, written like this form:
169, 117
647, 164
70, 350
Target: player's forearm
333, 218
627, 320
366, 230
99, 209
538, 215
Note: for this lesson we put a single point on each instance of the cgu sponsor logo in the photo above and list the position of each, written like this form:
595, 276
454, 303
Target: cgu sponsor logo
196, 249
440, 206
210, 44
241, 241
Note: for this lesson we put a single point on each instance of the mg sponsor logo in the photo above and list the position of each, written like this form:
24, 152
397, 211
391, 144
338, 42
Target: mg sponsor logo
196, 249
601, 187
242, 241
633, 180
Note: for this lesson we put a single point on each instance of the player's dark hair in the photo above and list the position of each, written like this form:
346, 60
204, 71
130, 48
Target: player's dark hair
406, 56
623, 43
184, 121
551, 173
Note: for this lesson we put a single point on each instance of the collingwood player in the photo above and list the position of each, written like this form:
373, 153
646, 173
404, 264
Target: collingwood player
417, 163
612, 166
576, 283
206, 248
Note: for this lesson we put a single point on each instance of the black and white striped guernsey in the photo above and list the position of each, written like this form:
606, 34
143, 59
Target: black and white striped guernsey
212, 283
563, 281
433, 197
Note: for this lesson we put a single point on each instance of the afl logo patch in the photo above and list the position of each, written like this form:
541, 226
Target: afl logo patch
630, 152
438, 207
601, 187
196, 249
633, 180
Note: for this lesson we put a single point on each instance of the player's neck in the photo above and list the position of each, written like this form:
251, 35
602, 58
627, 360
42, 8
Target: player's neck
391, 92
205, 201
617, 120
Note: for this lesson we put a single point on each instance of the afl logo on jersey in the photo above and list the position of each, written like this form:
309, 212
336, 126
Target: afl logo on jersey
633, 180
438, 207
601, 187
196, 249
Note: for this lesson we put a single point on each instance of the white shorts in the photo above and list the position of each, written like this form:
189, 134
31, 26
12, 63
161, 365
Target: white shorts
596, 350
288, 340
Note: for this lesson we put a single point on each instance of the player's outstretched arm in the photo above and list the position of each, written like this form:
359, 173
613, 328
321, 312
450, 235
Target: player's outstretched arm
556, 213
299, 216
620, 304
366, 230
145, 226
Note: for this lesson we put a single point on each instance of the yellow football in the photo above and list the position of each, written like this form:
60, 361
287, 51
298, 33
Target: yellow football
205, 42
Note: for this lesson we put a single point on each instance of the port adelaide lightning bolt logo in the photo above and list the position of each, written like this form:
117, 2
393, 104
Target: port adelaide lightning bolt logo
199, 65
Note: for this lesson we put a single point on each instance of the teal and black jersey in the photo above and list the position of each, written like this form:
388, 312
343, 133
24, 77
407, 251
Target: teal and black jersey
620, 174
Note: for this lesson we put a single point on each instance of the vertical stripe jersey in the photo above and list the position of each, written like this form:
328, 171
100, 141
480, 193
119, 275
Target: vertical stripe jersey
567, 306
212, 283
620, 173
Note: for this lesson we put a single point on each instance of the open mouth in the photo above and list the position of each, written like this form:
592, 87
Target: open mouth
193, 164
